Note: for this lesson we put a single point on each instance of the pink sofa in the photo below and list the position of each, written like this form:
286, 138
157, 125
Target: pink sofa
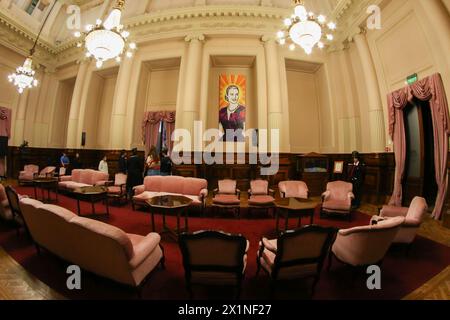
193, 188
93, 245
83, 178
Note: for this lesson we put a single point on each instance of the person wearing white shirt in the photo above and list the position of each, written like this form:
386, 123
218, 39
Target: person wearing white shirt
103, 165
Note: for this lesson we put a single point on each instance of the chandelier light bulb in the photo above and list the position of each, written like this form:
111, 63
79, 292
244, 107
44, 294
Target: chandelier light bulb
88, 54
125, 34
287, 22
77, 34
331, 26
113, 20
320, 45
322, 19
129, 54
301, 13
118, 59
330, 37
280, 34
282, 42
89, 27
99, 64
133, 46
99, 22
292, 47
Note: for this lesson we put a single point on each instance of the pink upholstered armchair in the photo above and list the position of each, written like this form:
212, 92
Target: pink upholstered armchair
47, 172
28, 174
260, 196
5, 210
293, 189
366, 245
227, 195
413, 215
117, 188
295, 254
337, 199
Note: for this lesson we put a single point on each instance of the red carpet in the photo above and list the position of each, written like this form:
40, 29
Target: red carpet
401, 274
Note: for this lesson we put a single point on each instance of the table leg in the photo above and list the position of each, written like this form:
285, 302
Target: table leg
164, 218
277, 218
186, 220
78, 205
153, 219
286, 224
299, 224
178, 224
312, 217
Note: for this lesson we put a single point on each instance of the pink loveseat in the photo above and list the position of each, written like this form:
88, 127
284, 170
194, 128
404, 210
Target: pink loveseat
93, 245
83, 178
193, 188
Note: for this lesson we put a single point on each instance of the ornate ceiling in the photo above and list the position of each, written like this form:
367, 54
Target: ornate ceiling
150, 20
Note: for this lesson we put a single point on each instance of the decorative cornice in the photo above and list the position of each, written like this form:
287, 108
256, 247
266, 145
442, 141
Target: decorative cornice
174, 23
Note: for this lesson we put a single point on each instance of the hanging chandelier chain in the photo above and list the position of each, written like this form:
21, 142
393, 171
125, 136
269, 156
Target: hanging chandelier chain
42, 28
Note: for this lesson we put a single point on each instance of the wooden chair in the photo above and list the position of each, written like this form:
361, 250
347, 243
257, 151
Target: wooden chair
213, 258
295, 254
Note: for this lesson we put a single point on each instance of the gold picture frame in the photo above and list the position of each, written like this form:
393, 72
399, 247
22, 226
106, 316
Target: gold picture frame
338, 167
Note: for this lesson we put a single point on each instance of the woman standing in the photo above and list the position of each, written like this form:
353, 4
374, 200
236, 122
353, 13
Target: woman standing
152, 163
103, 165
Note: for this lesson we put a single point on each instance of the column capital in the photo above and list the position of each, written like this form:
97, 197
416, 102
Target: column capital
195, 36
357, 31
268, 38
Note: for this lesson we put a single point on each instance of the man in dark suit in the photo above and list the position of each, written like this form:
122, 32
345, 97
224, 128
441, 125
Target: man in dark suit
123, 162
135, 172
356, 176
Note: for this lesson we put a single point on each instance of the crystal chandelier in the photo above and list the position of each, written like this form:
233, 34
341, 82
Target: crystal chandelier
305, 29
107, 40
23, 78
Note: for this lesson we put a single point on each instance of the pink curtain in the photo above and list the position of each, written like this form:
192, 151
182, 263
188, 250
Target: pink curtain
151, 125
429, 89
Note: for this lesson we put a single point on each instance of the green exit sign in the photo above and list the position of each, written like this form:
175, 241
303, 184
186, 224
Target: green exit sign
412, 78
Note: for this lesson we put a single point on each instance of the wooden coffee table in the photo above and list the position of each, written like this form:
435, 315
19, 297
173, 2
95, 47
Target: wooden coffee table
170, 204
92, 195
295, 206
49, 184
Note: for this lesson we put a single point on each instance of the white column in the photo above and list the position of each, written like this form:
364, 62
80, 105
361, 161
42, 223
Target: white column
119, 110
192, 80
72, 129
377, 130
273, 86
20, 119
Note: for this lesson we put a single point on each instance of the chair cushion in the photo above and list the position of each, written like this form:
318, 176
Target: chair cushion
336, 205
260, 200
115, 190
226, 199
